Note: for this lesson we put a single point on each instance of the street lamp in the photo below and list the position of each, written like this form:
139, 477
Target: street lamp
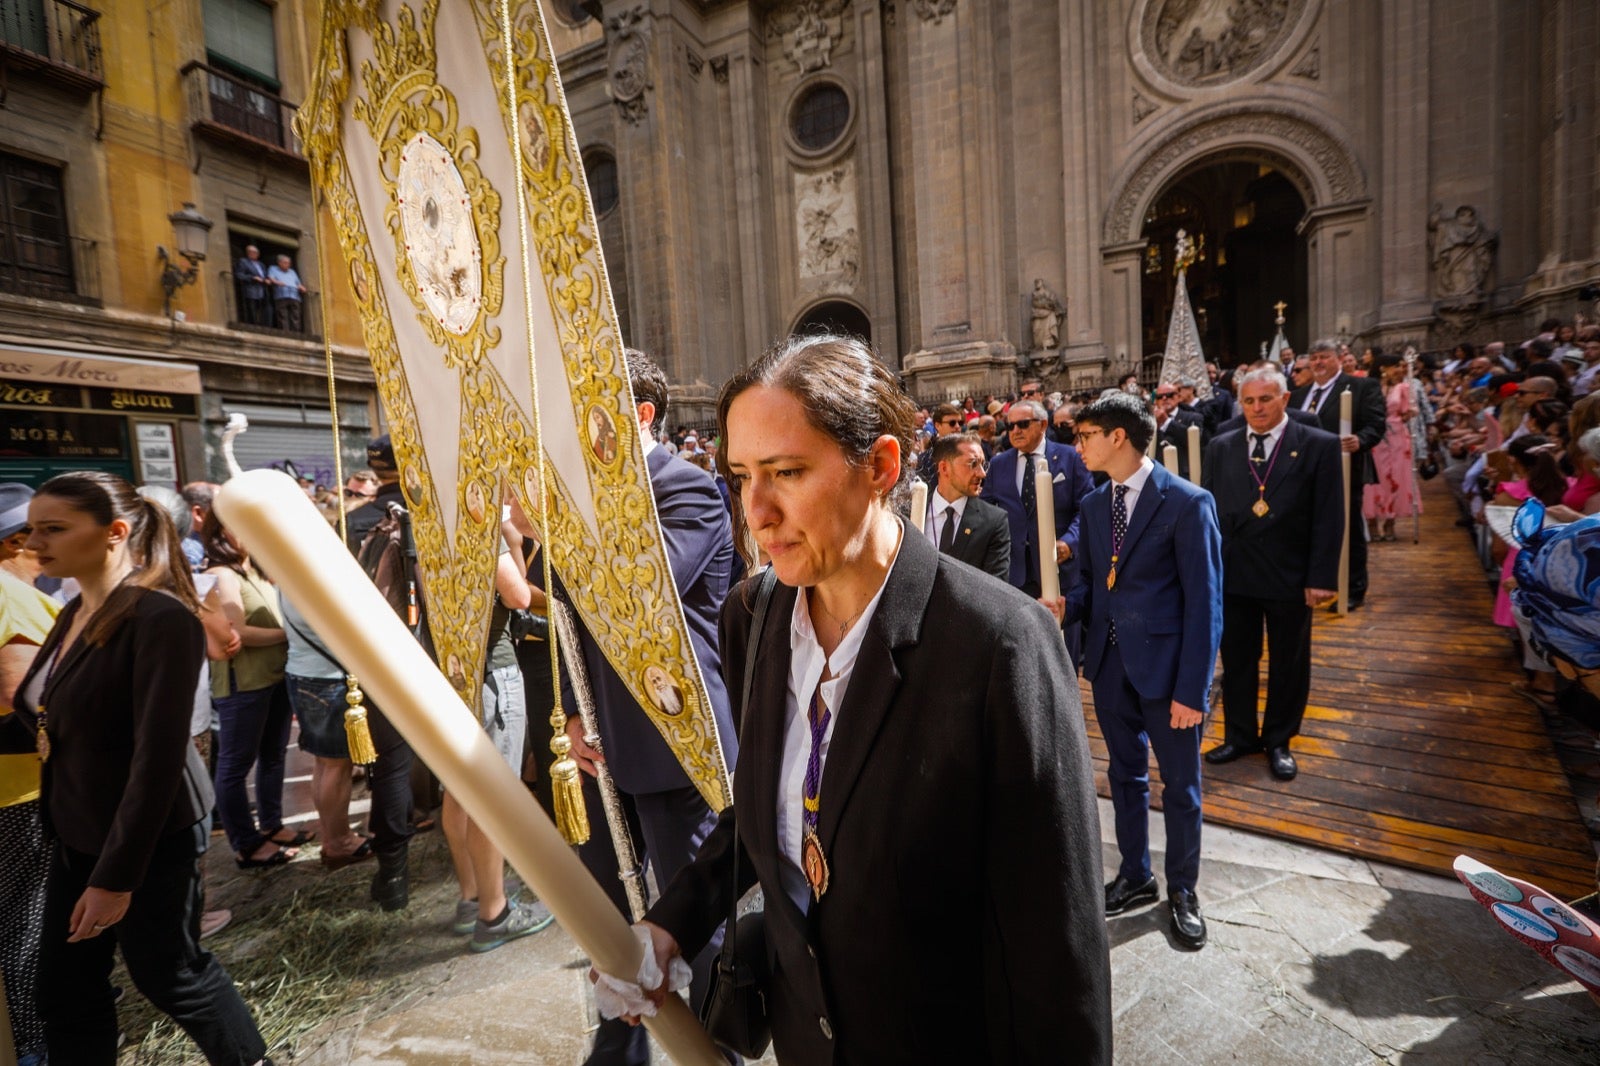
189, 230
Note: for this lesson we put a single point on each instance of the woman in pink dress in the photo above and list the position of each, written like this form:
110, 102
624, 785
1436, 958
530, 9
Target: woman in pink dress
1394, 494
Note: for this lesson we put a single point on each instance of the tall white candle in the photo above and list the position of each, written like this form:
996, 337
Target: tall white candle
1346, 420
1045, 500
1169, 458
919, 504
281, 524
1194, 454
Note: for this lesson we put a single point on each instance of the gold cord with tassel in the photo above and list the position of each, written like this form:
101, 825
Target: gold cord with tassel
356, 730
566, 781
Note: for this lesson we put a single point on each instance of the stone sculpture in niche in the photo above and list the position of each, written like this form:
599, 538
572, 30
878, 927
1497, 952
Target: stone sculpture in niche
825, 225
1200, 42
629, 71
809, 30
1461, 249
1047, 311
933, 11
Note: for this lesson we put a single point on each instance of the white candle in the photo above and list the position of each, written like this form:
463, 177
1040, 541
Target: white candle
1045, 505
281, 524
919, 504
1346, 413
1169, 458
1194, 454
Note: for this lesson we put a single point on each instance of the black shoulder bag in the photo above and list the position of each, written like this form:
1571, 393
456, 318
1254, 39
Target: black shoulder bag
735, 1011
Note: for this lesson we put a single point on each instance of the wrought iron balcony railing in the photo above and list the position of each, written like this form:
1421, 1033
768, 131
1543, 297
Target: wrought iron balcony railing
251, 307
232, 107
56, 37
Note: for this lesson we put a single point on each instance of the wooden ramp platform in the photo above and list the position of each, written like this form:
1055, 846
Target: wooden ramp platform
1414, 749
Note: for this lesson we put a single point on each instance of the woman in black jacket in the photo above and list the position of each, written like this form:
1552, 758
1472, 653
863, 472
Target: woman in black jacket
914, 792
124, 795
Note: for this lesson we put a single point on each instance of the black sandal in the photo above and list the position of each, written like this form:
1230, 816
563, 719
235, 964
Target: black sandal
281, 857
301, 838
338, 862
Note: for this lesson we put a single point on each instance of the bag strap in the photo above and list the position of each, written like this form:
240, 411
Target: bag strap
769, 581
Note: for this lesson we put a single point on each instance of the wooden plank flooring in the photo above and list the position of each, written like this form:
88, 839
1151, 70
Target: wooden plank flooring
1414, 749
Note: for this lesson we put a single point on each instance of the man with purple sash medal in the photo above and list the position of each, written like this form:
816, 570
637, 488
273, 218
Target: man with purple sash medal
1276, 485
1151, 644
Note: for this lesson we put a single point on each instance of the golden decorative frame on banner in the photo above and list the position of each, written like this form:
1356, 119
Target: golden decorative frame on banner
401, 137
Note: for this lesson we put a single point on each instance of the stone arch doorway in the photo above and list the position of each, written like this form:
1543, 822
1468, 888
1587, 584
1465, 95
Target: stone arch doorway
1245, 216
835, 316
1310, 152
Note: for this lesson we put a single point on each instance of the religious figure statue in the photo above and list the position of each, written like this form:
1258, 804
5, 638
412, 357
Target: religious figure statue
1462, 251
1048, 311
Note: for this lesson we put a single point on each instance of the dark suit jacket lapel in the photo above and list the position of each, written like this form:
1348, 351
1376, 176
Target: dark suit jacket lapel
896, 623
1289, 445
761, 745
1144, 507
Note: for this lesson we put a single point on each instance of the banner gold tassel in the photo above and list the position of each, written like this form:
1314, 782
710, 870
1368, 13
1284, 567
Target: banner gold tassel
362, 751
566, 783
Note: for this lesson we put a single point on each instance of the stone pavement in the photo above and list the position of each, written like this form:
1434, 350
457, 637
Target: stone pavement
1314, 958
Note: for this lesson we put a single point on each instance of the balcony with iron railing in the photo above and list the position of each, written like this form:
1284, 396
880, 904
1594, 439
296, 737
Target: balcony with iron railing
57, 39
233, 110
263, 314
68, 271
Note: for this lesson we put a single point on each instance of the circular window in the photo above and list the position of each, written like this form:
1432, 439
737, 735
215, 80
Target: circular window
821, 117
572, 12
603, 194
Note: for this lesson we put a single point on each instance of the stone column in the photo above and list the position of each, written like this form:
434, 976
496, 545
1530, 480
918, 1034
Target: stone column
1340, 289
960, 335
1403, 165
1083, 116
1120, 276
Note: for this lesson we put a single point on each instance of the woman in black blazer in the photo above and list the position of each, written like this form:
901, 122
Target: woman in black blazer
124, 794
914, 792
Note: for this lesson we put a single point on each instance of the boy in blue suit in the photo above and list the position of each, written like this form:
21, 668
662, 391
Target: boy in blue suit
1150, 586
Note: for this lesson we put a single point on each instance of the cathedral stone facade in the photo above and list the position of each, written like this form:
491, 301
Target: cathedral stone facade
989, 188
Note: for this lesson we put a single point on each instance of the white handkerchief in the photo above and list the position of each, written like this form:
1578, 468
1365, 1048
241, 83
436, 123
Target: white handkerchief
1058, 477
616, 997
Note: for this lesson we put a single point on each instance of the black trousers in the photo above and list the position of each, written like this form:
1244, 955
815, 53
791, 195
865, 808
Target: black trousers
1288, 632
668, 829
160, 942
389, 783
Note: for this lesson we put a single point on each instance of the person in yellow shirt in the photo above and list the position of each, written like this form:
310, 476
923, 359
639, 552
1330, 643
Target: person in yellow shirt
26, 615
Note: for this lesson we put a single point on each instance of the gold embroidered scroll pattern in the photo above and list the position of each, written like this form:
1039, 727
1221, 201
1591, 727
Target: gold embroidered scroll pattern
628, 601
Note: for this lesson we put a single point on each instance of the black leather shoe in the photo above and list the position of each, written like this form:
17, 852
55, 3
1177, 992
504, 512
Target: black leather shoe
1228, 751
1187, 925
1284, 768
391, 885
1122, 894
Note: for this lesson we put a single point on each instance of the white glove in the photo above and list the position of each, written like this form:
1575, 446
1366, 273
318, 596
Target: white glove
617, 997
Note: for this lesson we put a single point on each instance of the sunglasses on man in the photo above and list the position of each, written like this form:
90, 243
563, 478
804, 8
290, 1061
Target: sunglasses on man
1022, 423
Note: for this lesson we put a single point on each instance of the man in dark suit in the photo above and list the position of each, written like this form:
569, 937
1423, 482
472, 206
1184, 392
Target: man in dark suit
1172, 425
958, 523
1277, 492
670, 817
1150, 586
1367, 425
1011, 487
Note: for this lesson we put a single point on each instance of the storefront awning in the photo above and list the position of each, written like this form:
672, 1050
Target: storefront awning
102, 368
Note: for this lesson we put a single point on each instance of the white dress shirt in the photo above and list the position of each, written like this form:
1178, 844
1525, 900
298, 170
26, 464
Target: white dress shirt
1325, 391
806, 664
1274, 435
1026, 466
1135, 483
938, 507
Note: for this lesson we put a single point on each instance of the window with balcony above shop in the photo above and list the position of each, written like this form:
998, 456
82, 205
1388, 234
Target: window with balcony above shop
236, 90
39, 257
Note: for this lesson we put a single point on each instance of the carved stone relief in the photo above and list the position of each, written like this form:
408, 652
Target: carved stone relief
1461, 250
695, 60
629, 74
933, 11
1045, 314
1208, 42
1310, 67
809, 30
719, 69
825, 227
1143, 107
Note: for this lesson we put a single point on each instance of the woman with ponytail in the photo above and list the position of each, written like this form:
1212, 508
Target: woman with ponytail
124, 795
251, 699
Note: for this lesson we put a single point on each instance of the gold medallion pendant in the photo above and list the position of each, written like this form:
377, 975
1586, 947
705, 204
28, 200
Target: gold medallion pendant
814, 864
1111, 578
1260, 508
42, 741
